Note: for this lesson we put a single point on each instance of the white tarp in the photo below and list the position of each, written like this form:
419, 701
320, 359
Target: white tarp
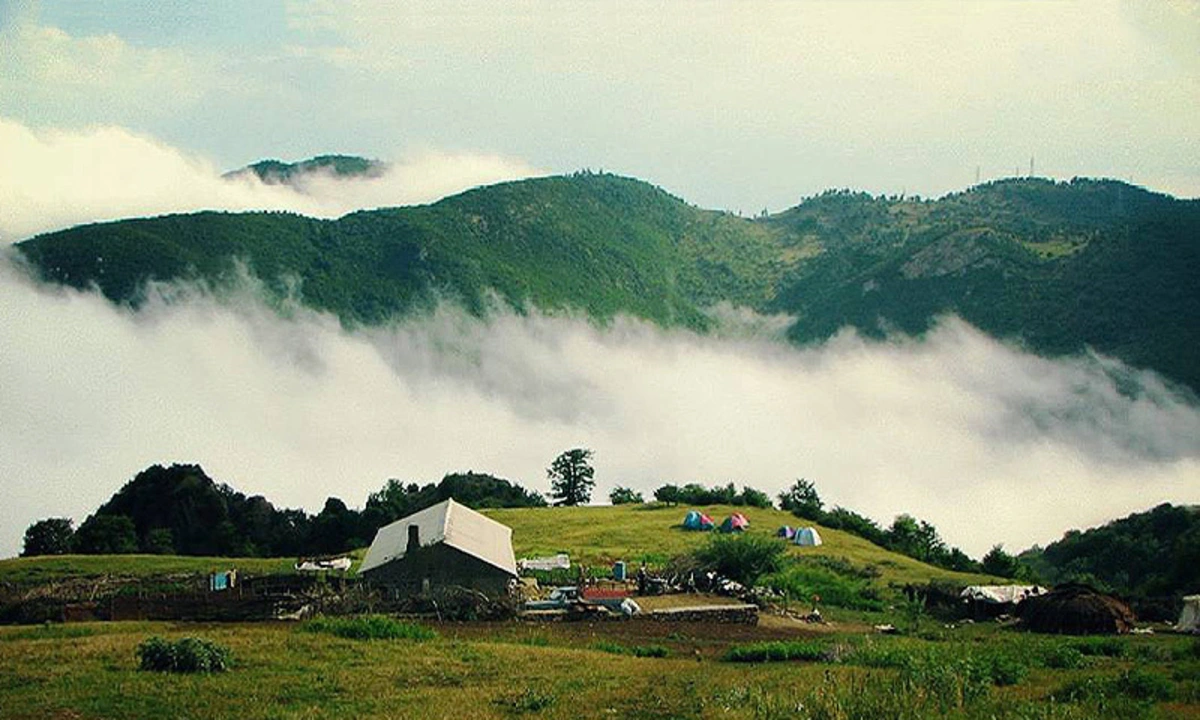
1189, 617
1001, 594
553, 562
342, 563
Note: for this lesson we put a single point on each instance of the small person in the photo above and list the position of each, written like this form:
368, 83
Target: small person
641, 579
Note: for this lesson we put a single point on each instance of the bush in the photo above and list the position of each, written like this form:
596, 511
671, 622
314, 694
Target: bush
803, 579
1062, 657
777, 652
370, 627
657, 651
188, 655
743, 558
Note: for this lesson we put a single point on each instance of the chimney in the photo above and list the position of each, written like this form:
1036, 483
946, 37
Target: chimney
414, 538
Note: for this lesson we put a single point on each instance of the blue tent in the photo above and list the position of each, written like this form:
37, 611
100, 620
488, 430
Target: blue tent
696, 520
807, 536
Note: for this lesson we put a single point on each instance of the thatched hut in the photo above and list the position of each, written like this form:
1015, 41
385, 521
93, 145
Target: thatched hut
1075, 609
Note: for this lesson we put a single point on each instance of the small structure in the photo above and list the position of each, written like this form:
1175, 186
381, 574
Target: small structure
786, 532
696, 520
445, 545
1189, 617
1076, 609
736, 522
990, 601
808, 537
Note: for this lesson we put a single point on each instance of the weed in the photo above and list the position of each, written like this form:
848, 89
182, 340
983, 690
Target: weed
777, 652
188, 655
369, 627
528, 700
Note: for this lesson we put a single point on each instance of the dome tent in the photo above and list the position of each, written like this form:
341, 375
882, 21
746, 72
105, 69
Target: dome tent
696, 520
808, 537
736, 522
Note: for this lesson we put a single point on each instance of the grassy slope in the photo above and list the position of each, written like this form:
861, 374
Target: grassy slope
600, 535
63, 567
595, 535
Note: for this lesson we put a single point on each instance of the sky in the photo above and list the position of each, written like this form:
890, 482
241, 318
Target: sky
132, 107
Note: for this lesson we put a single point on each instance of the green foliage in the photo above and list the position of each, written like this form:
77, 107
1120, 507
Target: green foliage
51, 536
369, 627
186, 655
744, 558
1151, 553
646, 651
571, 477
806, 577
999, 563
624, 496
802, 500
696, 494
1063, 266
106, 535
779, 651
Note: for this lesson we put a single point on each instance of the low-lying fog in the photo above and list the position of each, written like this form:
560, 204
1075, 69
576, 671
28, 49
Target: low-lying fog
990, 444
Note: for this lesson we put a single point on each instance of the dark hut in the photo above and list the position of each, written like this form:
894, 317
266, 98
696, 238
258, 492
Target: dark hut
1076, 609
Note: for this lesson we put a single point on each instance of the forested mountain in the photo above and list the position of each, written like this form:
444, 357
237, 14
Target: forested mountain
1057, 266
1145, 555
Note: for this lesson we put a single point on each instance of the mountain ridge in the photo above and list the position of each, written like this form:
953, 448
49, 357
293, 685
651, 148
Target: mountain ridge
1057, 266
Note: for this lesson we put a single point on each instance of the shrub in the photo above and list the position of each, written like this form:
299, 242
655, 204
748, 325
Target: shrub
370, 627
657, 651
743, 558
776, 652
187, 655
803, 579
1062, 657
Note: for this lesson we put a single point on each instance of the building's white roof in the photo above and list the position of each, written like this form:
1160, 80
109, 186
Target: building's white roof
448, 522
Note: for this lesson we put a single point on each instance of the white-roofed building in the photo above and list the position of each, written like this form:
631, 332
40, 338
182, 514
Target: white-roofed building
446, 544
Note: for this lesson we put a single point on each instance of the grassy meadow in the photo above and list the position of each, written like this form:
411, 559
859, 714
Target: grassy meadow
378, 668
570, 670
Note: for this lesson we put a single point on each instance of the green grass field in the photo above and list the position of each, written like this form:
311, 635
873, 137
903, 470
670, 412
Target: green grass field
569, 670
779, 669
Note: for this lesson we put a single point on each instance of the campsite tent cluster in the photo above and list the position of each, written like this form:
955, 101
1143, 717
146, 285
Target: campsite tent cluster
696, 520
805, 536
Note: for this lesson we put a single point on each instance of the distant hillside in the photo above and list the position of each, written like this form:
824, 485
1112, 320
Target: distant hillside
1056, 266
1148, 554
277, 172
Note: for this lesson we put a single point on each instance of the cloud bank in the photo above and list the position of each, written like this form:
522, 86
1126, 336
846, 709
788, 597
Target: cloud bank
988, 443
52, 179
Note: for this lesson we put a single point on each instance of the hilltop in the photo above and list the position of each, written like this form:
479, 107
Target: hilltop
1057, 267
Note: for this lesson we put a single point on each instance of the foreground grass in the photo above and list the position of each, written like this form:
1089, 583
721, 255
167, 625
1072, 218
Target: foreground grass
282, 671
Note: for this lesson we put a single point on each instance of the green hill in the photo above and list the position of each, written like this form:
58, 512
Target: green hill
600, 535
1056, 266
594, 535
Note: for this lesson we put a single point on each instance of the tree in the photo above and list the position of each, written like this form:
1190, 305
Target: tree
571, 477
106, 535
999, 563
51, 536
802, 500
668, 494
624, 496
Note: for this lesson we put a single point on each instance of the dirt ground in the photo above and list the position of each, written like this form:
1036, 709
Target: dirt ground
704, 639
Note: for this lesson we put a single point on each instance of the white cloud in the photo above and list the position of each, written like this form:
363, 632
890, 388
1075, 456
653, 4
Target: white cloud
54, 179
988, 443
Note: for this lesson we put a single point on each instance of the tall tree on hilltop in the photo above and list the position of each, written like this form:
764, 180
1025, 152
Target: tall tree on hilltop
571, 477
